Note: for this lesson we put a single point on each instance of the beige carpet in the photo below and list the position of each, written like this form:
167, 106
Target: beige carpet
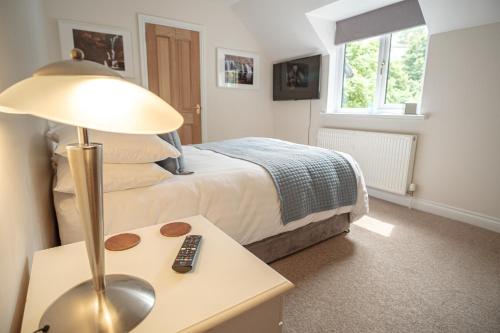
398, 270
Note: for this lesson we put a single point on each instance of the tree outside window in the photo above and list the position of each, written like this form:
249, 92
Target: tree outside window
384, 72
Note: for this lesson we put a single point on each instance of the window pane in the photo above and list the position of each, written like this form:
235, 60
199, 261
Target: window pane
406, 66
360, 73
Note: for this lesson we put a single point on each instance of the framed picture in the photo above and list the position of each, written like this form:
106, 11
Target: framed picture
237, 69
108, 46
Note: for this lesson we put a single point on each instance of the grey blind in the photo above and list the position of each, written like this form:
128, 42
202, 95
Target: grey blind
402, 15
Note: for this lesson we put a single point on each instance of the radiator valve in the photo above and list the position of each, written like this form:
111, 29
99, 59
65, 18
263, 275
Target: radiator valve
412, 188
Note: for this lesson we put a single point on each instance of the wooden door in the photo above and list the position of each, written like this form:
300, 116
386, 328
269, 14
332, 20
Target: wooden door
174, 74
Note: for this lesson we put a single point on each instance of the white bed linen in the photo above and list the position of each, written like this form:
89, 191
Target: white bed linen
237, 196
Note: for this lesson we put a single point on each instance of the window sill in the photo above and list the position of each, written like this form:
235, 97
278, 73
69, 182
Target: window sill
375, 116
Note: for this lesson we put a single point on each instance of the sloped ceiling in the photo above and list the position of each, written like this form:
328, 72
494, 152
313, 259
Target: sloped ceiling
285, 30
448, 15
281, 25
226, 2
342, 9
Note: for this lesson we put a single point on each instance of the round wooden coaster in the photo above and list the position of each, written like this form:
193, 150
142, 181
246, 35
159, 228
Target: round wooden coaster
122, 242
175, 229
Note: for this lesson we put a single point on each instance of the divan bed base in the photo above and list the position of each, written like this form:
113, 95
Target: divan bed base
276, 247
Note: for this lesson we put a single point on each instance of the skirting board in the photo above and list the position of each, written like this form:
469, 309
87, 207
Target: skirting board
436, 208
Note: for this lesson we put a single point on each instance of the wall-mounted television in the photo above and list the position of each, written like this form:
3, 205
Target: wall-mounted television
297, 79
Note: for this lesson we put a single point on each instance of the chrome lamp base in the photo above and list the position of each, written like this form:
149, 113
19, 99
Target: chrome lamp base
106, 303
124, 303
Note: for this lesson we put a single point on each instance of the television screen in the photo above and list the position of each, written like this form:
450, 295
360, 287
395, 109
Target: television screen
297, 79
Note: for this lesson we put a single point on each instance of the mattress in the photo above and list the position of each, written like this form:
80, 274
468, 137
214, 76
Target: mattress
237, 196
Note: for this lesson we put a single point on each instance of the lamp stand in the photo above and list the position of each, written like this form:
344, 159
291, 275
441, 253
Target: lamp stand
104, 304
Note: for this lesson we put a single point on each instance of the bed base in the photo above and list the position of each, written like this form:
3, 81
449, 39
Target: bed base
276, 247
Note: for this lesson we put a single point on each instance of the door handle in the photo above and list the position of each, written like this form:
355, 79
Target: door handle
197, 108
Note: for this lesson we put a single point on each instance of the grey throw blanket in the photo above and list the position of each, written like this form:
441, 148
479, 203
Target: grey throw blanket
308, 179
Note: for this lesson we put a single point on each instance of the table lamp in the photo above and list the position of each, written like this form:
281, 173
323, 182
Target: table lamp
90, 96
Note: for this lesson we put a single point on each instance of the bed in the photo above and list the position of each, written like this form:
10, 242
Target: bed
237, 196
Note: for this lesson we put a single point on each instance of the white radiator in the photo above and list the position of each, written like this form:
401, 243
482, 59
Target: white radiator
386, 159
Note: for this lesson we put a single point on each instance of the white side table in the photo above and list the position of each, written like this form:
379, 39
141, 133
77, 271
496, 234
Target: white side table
229, 290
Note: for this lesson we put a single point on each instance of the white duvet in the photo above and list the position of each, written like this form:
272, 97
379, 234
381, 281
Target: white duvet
237, 196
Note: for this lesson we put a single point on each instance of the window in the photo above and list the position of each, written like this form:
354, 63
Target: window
360, 73
379, 75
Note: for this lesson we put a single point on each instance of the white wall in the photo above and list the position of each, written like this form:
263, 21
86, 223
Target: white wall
298, 121
231, 112
26, 219
458, 155
448, 15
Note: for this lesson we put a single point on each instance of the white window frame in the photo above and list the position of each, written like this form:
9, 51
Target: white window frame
379, 106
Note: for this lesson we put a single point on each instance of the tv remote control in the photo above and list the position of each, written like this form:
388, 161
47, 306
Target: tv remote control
186, 257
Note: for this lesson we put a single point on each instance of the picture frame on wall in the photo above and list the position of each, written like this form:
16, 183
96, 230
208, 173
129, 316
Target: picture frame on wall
108, 46
237, 69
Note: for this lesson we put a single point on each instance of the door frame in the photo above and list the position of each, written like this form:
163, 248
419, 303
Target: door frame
143, 19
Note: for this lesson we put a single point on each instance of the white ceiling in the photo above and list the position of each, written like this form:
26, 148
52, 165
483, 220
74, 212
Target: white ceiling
285, 31
281, 25
341, 9
226, 2
448, 15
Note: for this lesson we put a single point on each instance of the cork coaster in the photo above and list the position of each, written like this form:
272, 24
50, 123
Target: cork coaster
175, 229
122, 242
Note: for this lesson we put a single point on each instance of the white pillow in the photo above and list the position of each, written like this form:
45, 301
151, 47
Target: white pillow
115, 177
118, 148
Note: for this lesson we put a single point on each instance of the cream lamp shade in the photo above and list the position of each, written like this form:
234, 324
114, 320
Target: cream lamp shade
89, 95
86, 94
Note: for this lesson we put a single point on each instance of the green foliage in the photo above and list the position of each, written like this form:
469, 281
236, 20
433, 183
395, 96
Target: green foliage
361, 58
404, 81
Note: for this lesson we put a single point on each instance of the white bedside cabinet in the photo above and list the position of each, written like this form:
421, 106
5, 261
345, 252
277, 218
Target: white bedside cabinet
229, 289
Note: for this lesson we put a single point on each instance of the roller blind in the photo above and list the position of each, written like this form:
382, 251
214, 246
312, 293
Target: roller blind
402, 15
